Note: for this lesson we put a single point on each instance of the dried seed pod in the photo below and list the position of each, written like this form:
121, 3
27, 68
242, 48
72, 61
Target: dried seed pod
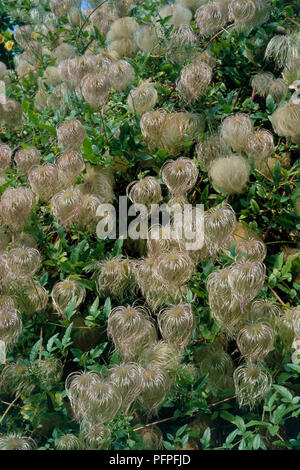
210, 18
70, 164
5, 157
253, 250
16, 441
246, 280
73, 69
177, 324
235, 130
156, 384
66, 206
230, 174
122, 28
142, 99
44, 180
174, 268
194, 79
261, 83
65, 291
71, 134
16, 205
127, 378
27, 158
88, 212
121, 74
252, 383
180, 175
131, 329
219, 226
77, 384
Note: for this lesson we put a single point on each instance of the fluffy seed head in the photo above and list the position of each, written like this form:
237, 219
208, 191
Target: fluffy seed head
148, 39
162, 239
163, 354
71, 134
66, 206
73, 69
230, 174
174, 268
152, 437
142, 99
289, 326
246, 280
44, 180
264, 311
100, 182
235, 130
255, 340
218, 365
260, 146
291, 71
179, 175
219, 225
278, 90
194, 79
115, 277
30, 296
179, 14
16, 441
27, 158
16, 205
286, 120
5, 157
282, 49
70, 164
23, 262
11, 112
10, 321
65, 291
253, 250
103, 17
131, 329
121, 75
64, 51
261, 83
102, 403
210, 149
177, 324
151, 124
180, 44
68, 442
146, 191
122, 28
127, 377
176, 126
22, 35
156, 384
95, 88
88, 212
210, 18
252, 383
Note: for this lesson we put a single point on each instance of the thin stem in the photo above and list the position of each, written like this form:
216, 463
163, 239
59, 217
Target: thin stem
276, 295
8, 408
291, 19
216, 35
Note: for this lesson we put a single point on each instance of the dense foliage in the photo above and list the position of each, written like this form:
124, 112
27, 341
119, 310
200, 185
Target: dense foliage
128, 344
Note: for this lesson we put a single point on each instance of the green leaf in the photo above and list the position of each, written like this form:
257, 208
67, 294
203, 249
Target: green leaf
35, 350
66, 340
